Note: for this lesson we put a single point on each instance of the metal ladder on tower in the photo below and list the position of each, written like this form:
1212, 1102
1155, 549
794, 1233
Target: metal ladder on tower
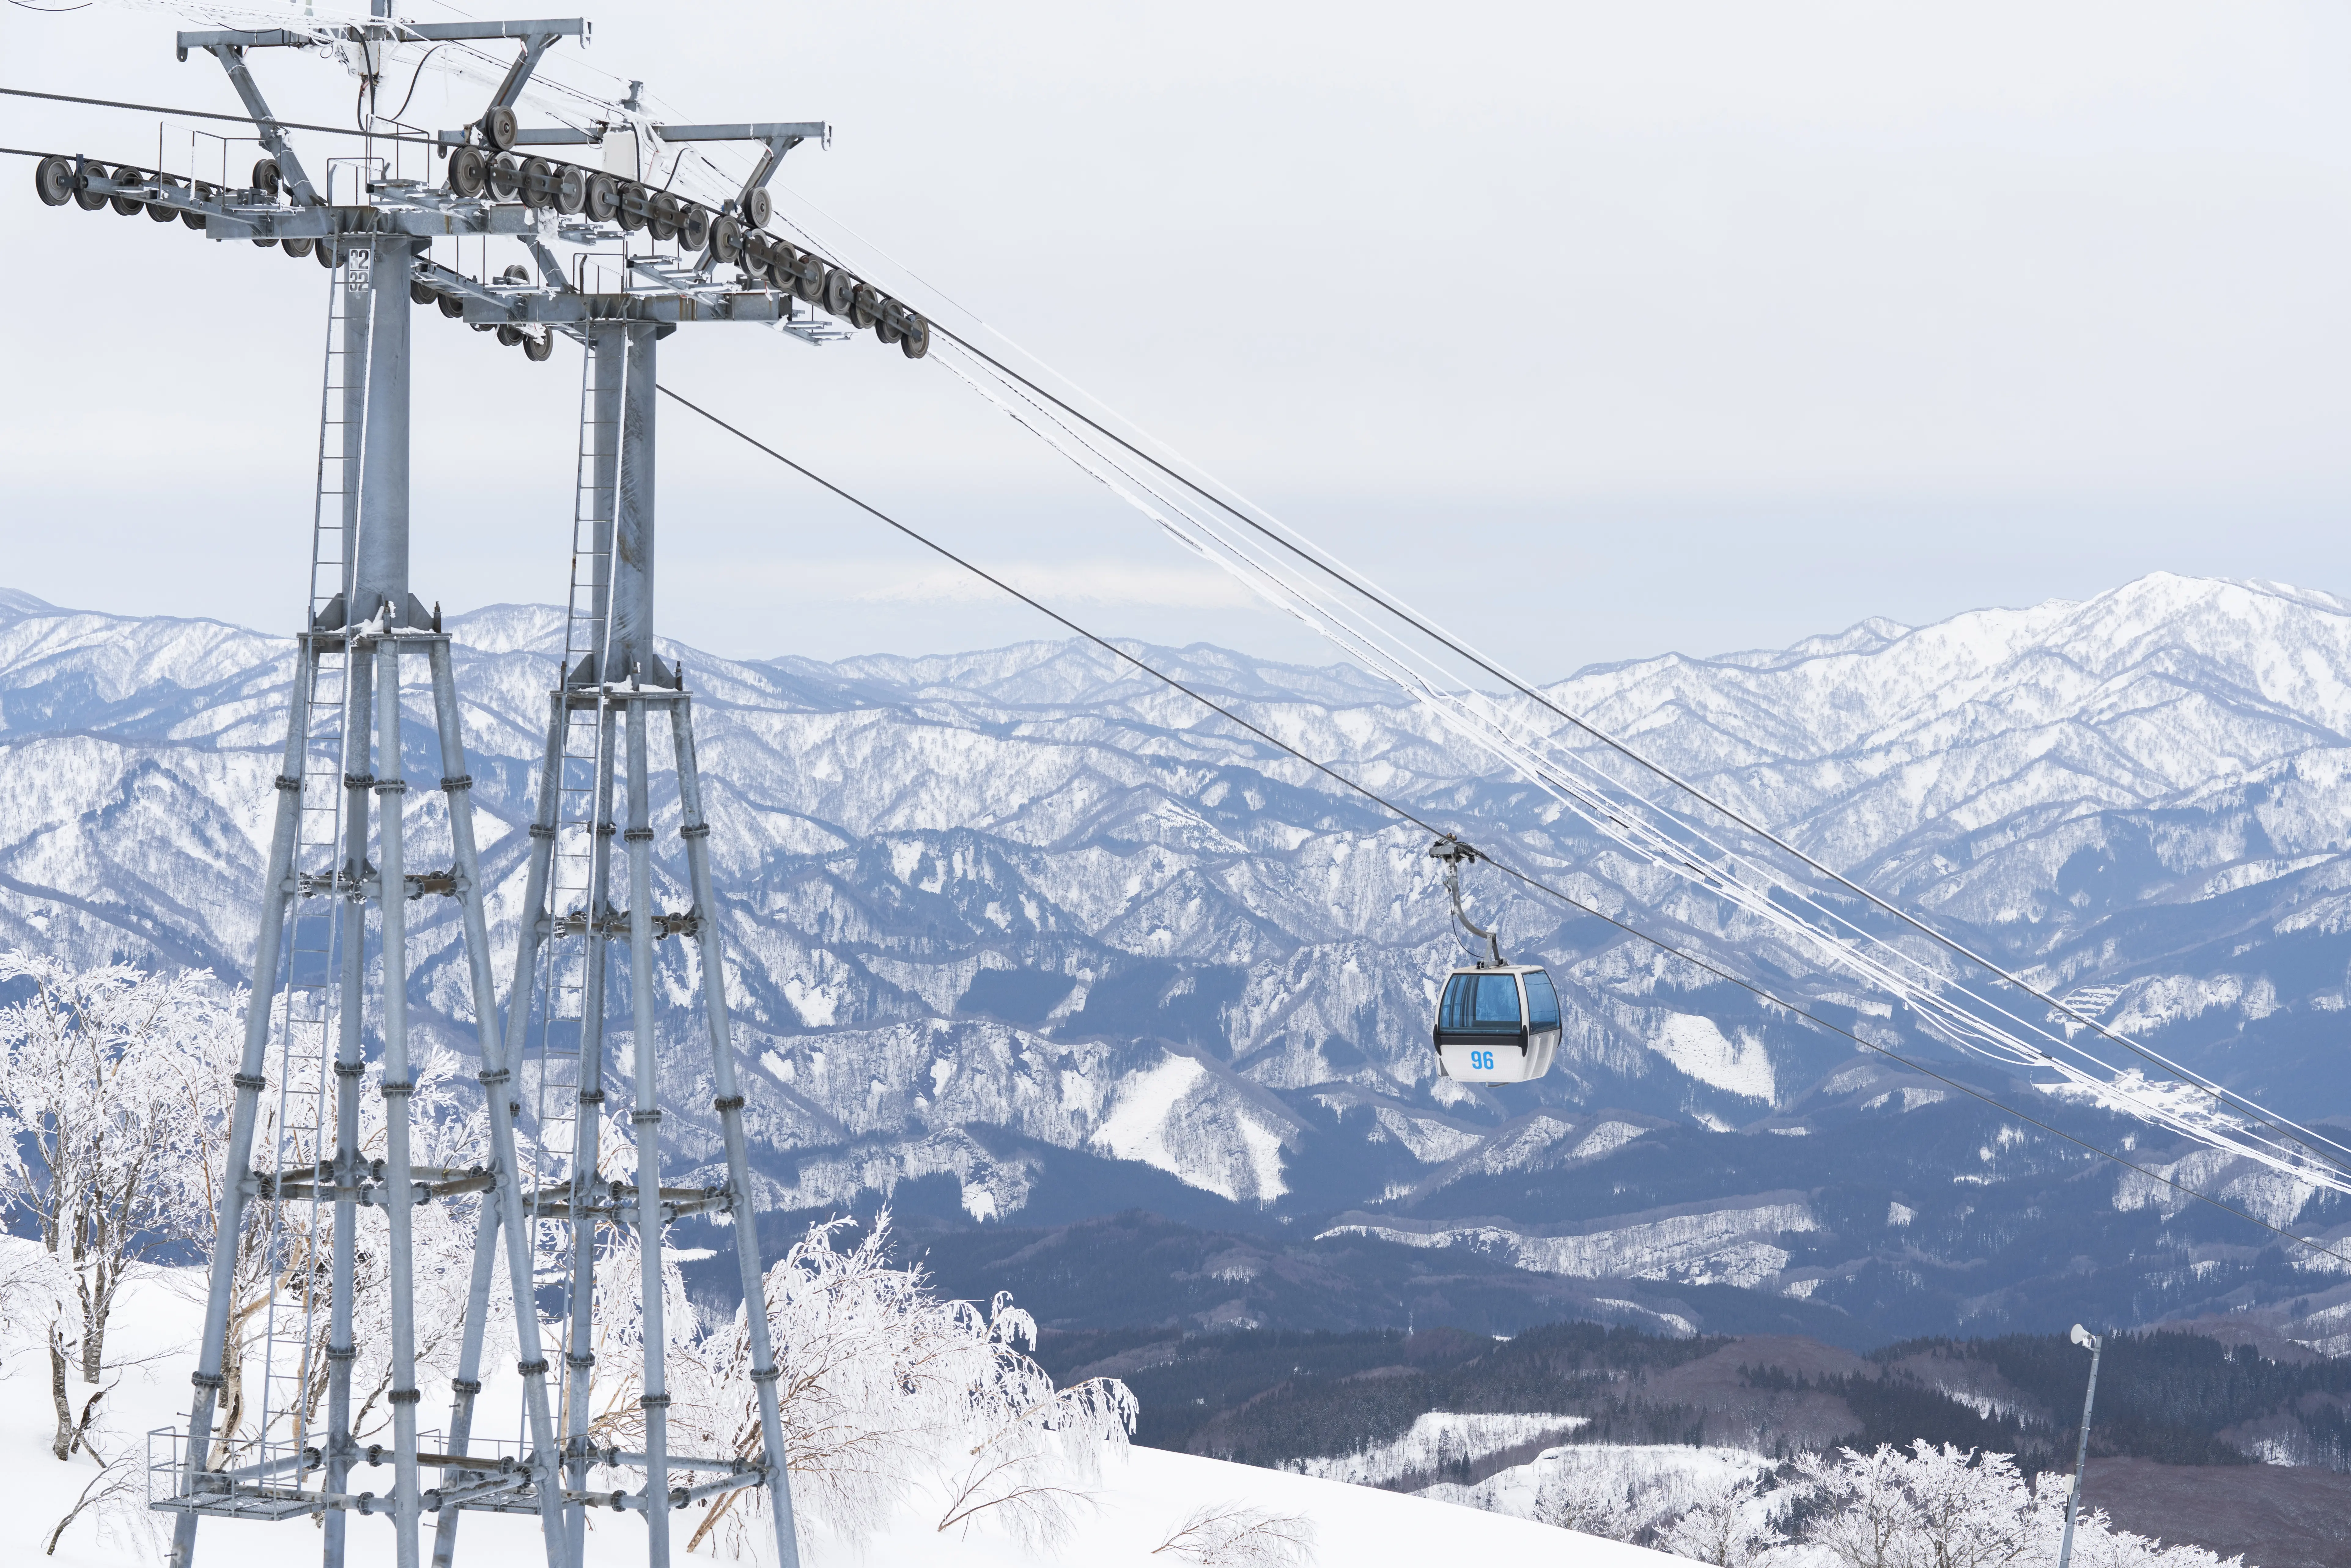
309, 1005
555, 1063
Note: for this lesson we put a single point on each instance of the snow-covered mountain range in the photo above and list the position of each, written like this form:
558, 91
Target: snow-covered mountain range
1023, 936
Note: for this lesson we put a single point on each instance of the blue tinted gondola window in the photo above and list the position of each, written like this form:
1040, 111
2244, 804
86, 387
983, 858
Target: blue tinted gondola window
1479, 1004
1543, 1002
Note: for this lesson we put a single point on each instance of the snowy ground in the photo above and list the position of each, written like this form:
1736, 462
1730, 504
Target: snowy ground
1140, 1502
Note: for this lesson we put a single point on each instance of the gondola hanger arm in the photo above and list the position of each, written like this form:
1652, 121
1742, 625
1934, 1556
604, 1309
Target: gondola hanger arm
1453, 852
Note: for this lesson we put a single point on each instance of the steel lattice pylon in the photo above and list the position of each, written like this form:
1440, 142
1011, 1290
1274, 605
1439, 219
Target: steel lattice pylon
343, 775
297, 1178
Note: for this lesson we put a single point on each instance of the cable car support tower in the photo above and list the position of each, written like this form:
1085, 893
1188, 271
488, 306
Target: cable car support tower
287, 1224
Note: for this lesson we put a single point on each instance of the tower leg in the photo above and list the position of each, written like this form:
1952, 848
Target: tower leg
537, 925
379, 570
468, 1383
400, 1182
647, 1121
359, 686
587, 1128
497, 1082
238, 1185
628, 651
694, 830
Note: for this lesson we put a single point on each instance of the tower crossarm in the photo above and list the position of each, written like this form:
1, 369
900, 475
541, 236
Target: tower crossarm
550, 28
273, 135
780, 136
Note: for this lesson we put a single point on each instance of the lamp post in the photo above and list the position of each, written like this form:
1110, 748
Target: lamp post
2094, 1344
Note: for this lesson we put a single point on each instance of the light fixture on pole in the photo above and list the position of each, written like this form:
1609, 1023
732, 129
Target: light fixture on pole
2094, 1344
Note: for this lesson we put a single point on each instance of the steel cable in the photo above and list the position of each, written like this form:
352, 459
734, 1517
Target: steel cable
205, 114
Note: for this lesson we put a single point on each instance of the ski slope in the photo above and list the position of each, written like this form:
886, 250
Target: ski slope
1141, 1499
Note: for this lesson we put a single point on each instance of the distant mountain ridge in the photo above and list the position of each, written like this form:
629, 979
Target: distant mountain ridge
1021, 933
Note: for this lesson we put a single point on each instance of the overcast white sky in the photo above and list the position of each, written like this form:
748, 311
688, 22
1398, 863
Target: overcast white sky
1596, 330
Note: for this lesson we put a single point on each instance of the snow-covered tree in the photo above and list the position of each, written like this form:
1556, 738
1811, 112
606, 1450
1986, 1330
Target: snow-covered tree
888, 1393
1622, 1494
1595, 1500
1731, 1529
96, 1071
1864, 1514
116, 1092
1953, 1507
1928, 1507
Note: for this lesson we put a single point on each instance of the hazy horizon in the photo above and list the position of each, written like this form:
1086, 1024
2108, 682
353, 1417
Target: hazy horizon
1317, 653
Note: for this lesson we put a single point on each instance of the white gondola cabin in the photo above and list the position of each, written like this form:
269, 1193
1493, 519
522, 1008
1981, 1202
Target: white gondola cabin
1496, 1022
1497, 1025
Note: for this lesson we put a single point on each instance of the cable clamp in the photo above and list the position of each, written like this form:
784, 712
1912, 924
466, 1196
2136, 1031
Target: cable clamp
211, 1380
391, 787
463, 781
592, 1096
728, 1102
359, 780
463, 1385
653, 1402
403, 1396
645, 1118
492, 1077
538, 830
352, 1352
349, 1069
694, 831
532, 1368
579, 1363
391, 1088
248, 1081
291, 786
639, 835
766, 1373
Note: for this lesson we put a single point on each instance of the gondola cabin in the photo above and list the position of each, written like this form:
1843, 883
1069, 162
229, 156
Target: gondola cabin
1496, 1024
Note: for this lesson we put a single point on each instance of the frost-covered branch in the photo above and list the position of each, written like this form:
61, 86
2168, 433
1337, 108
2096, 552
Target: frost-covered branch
1236, 1535
888, 1392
